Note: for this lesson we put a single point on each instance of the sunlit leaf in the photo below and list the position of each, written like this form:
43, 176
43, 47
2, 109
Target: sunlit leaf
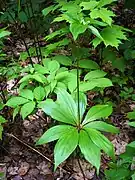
65, 146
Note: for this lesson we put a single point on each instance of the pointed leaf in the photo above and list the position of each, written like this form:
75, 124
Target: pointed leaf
89, 5
97, 112
1, 130
101, 141
64, 60
26, 93
105, 2
88, 64
77, 28
41, 69
112, 36
94, 75
56, 112
4, 33
95, 32
2, 120
104, 14
65, 146
86, 86
15, 101
27, 109
131, 115
39, 93
53, 66
67, 103
103, 82
131, 124
102, 126
82, 102
16, 111
47, 10
54, 133
132, 144
90, 151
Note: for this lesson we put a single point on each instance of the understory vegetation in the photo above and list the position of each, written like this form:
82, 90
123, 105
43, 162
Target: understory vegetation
71, 66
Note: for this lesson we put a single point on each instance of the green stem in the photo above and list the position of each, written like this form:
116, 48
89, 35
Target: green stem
78, 96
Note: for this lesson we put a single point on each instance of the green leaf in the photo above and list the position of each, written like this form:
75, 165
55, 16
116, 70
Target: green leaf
4, 33
101, 141
64, 60
27, 109
82, 102
104, 14
39, 93
131, 124
120, 63
97, 112
16, 101
86, 86
66, 102
16, 111
39, 78
102, 126
53, 66
62, 76
56, 112
88, 64
1, 130
26, 93
119, 173
131, 115
53, 84
2, 120
90, 151
94, 75
96, 32
61, 86
105, 2
89, 5
103, 82
76, 28
23, 17
54, 133
46, 62
65, 146
112, 36
59, 33
47, 10
132, 144
40, 69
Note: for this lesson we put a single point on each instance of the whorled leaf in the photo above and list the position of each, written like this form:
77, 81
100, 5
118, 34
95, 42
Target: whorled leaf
97, 112
65, 146
90, 150
54, 133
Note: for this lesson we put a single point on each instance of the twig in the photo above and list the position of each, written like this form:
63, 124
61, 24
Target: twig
81, 168
11, 135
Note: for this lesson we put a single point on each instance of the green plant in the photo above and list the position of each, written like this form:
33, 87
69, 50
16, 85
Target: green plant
2, 121
3, 34
123, 168
76, 129
127, 93
42, 81
83, 16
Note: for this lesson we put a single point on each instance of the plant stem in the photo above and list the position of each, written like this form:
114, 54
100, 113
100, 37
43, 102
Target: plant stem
36, 31
34, 35
78, 97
